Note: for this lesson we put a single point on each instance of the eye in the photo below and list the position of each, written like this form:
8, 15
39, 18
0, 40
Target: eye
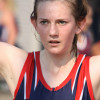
62, 22
44, 22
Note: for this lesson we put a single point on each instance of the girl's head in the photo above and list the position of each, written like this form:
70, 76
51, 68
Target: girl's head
78, 10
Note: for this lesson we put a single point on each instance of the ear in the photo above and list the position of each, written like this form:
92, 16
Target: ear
80, 26
33, 21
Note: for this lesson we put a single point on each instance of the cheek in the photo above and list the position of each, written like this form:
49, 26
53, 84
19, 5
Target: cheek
41, 30
68, 37
68, 34
42, 34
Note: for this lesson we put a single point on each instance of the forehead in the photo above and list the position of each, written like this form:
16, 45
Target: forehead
57, 8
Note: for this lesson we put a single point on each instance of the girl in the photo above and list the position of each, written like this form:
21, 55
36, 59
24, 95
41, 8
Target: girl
56, 72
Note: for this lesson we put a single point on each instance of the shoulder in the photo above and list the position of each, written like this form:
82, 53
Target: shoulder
94, 69
95, 64
12, 60
10, 54
9, 50
95, 60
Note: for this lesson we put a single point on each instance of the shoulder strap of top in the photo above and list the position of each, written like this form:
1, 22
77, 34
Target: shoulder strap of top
25, 73
84, 77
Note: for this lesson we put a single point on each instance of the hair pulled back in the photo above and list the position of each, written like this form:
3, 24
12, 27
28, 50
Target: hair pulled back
79, 11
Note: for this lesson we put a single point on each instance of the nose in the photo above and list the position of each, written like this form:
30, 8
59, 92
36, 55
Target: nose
53, 31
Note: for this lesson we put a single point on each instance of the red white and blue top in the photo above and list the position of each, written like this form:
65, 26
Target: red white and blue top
32, 85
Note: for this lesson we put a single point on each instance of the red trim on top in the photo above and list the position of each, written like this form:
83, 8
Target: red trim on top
71, 74
65, 81
89, 84
80, 84
27, 63
30, 70
76, 68
40, 72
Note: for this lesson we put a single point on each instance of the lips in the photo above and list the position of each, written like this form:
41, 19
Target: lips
54, 41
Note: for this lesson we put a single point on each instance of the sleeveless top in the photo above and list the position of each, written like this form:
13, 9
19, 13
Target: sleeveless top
32, 85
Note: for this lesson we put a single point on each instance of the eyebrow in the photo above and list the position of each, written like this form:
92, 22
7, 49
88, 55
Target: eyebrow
56, 19
43, 19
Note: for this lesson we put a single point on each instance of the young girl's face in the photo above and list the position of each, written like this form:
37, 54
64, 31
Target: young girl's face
56, 26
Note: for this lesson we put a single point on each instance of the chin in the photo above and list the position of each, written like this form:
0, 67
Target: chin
55, 51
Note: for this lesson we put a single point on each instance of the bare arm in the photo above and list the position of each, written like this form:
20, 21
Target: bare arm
95, 75
11, 62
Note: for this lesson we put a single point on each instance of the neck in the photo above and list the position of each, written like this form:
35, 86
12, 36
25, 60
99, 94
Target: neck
55, 62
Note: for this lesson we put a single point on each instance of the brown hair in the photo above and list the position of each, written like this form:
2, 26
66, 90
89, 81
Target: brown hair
79, 11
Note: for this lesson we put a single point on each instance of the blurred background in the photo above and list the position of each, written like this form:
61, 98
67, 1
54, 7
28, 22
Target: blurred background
16, 29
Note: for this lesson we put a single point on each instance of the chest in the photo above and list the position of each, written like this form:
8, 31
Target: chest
56, 78
74, 87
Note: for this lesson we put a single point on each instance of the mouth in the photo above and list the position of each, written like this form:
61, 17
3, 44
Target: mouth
54, 42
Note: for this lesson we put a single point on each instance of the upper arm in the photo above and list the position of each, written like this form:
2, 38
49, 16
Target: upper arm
95, 75
3, 56
11, 63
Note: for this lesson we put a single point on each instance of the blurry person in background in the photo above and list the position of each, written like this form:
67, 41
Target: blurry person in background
85, 39
8, 29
